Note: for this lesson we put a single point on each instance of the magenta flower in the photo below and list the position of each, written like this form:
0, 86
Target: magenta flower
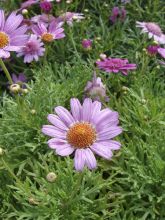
154, 49
117, 14
12, 34
46, 6
96, 89
50, 33
153, 30
85, 130
87, 44
69, 17
115, 65
32, 50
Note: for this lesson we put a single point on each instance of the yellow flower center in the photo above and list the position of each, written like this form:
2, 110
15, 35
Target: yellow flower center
4, 40
81, 135
47, 37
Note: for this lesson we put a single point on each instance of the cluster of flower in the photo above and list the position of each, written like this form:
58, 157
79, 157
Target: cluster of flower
87, 129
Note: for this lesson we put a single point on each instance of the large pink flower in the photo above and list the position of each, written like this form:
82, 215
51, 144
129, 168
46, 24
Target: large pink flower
115, 65
153, 30
12, 35
86, 130
48, 34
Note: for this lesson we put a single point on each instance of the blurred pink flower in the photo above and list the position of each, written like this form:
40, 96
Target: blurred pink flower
115, 65
153, 30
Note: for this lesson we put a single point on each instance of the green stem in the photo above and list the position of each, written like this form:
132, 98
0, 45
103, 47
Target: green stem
6, 71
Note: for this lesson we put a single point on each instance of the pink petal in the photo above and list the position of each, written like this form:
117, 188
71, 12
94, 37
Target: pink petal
79, 159
90, 159
75, 109
55, 120
64, 115
55, 142
102, 151
109, 133
12, 22
2, 19
52, 131
113, 145
64, 150
86, 110
161, 51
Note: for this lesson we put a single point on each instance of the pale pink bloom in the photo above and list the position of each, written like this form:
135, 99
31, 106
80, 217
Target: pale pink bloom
48, 34
12, 34
86, 130
32, 50
69, 17
153, 30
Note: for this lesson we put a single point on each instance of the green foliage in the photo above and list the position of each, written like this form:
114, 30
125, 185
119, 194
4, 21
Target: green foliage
129, 187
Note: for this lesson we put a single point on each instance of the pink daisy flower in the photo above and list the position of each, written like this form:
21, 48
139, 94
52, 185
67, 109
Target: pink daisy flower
87, 44
12, 34
96, 89
86, 130
32, 50
50, 33
154, 49
43, 18
29, 3
153, 30
69, 17
115, 65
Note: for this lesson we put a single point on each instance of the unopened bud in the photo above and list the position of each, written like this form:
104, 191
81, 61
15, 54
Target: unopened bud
155, 42
25, 91
124, 88
24, 11
1, 151
143, 101
51, 177
32, 201
15, 88
103, 56
33, 111
86, 10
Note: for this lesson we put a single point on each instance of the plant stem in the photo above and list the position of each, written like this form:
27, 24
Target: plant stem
6, 71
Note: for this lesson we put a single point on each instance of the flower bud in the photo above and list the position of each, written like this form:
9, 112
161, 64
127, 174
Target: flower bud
33, 111
51, 177
1, 151
15, 88
103, 56
32, 201
24, 11
143, 101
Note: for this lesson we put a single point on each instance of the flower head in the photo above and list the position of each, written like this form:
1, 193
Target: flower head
69, 17
87, 44
85, 130
153, 30
48, 34
46, 6
115, 65
117, 14
96, 90
12, 34
152, 49
32, 50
